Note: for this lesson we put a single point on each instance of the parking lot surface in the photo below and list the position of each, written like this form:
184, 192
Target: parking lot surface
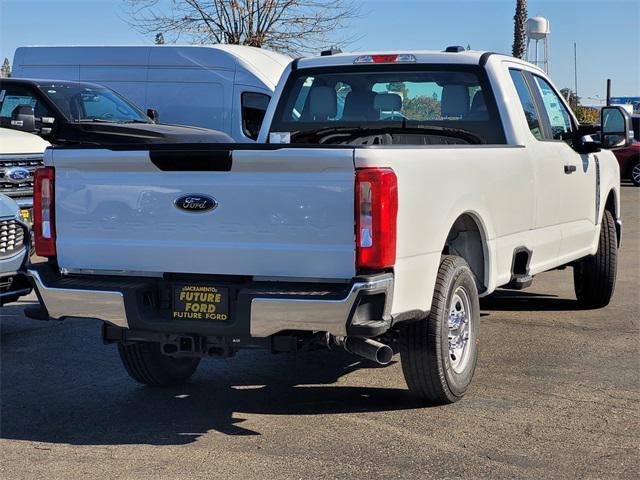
556, 394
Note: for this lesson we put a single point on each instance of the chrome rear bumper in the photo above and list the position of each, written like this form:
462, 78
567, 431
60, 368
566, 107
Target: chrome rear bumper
268, 314
68, 302
273, 315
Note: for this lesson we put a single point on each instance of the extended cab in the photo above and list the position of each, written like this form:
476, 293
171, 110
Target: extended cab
392, 190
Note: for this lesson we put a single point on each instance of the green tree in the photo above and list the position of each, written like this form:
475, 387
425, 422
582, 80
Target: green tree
422, 108
519, 29
5, 70
583, 114
587, 114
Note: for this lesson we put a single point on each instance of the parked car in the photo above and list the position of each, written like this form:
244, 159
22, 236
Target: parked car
629, 160
14, 252
73, 113
629, 156
221, 87
346, 228
20, 154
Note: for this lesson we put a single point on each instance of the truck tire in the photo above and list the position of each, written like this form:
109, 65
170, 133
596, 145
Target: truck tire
439, 353
594, 277
146, 364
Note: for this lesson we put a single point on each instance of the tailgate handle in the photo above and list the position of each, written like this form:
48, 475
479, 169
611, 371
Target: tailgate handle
569, 169
192, 160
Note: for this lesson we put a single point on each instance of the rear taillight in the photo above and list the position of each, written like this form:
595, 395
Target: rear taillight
44, 227
376, 212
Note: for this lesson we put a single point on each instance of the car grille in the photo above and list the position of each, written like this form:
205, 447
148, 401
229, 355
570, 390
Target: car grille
22, 189
11, 237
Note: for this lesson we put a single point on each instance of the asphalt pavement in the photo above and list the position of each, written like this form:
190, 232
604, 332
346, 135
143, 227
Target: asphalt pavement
556, 395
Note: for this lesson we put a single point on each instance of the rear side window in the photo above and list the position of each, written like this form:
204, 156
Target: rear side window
12, 97
527, 102
559, 117
254, 106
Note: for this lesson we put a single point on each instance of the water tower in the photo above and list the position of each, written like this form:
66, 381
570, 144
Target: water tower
537, 29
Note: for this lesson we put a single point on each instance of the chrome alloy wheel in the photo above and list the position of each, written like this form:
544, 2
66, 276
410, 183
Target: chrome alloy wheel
635, 173
460, 315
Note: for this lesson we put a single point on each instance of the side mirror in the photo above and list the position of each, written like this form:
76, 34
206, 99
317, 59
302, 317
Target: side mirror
615, 127
587, 139
153, 115
23, 118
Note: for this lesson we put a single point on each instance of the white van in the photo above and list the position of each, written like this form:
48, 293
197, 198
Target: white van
222, 87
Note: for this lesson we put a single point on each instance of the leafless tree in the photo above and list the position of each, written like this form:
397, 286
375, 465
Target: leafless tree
290, 26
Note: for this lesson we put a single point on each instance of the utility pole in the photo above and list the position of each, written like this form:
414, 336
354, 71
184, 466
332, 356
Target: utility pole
575, 71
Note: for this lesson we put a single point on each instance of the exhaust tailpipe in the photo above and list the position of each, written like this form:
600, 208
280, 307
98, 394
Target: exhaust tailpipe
369, 349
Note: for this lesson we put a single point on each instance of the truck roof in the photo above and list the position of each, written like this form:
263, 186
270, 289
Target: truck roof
264, 64
464, 57
47, 82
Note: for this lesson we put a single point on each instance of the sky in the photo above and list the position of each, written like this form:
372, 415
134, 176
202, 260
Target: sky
607, 32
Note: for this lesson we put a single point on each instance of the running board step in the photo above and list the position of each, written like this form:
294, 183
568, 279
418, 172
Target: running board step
519, 282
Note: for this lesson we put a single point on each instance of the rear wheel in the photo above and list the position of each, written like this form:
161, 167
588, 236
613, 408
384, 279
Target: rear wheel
635, 173
146, 364
439, 353
594, 277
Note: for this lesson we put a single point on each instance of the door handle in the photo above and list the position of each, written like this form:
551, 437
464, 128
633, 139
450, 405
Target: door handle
569, 169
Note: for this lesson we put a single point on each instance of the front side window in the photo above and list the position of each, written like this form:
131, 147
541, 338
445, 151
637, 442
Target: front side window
85, 103
254, 106
432, 98
559, 117
527, 102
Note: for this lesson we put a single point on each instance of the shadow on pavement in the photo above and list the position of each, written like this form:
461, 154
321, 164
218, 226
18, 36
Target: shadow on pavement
504, 300
58, 384
102, 406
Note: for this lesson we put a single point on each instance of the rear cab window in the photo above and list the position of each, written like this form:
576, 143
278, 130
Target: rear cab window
389, 104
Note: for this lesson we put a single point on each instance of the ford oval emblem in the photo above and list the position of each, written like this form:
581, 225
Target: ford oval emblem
196, 203
16, 174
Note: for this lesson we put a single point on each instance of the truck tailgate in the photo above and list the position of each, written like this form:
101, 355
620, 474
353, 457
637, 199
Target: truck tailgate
280, 213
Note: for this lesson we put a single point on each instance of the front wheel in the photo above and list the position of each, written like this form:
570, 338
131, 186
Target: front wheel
439, 353
635, 173
594, 277
146, 364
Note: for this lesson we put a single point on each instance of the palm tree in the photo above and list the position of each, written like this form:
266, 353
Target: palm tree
519, 33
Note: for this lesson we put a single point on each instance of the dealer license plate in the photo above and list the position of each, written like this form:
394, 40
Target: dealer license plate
200, 302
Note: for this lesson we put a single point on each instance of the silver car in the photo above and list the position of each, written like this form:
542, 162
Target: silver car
14, 252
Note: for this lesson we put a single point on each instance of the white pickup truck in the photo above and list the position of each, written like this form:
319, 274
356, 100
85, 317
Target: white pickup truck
20, 155
390, 192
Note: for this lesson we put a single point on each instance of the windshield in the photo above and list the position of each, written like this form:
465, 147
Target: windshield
438, 99
81, 103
